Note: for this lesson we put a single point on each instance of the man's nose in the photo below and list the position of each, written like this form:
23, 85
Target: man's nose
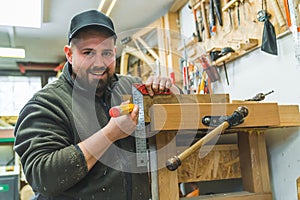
99, 61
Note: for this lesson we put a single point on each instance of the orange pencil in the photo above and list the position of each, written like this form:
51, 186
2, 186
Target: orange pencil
123, 109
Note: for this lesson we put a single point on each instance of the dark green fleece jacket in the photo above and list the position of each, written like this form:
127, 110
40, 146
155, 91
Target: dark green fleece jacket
48, 130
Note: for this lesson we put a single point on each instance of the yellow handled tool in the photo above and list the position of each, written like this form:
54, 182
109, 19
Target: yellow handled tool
123, 109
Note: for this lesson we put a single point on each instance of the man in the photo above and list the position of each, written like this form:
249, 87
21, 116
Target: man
68, 145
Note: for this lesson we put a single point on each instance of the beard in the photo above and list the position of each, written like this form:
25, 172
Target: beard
102, 85
96, 86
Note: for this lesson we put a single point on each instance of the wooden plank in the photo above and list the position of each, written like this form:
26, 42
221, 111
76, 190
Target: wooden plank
178, 4
124, 63
172, 42
219, 163
149, 28
135, 52
289, 115
167, 180
233, 196
189, 116
182, 99
254, 162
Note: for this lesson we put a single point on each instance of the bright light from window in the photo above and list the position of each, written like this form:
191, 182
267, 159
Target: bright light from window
26, 13
12, 52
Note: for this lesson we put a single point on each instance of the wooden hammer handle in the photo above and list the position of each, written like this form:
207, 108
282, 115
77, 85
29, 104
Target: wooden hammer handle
174, 162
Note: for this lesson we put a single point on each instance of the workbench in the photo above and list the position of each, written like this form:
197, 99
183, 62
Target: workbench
177, 119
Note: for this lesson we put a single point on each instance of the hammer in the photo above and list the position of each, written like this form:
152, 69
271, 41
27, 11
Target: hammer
236, 118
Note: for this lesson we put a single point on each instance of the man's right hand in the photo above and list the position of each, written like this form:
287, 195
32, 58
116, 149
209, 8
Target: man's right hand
122, 126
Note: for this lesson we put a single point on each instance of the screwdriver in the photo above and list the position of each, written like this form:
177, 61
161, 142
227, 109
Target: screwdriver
259, 96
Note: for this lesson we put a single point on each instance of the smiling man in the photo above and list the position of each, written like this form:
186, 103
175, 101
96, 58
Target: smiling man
69, 146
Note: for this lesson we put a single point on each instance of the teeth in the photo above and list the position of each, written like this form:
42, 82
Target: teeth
99, 71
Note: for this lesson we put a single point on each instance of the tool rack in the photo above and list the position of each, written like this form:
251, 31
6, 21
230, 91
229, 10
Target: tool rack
171, 114
243, 36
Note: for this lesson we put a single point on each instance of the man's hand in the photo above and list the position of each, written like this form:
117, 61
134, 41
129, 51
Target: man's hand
122, 126
160, 84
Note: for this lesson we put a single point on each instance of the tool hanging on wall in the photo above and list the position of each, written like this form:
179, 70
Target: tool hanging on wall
269, 41
224, 52
292, 14
278, 13
214, 55
196, 22
211, 70
230, 25
204, 18
215, 11
237, 5
212, 19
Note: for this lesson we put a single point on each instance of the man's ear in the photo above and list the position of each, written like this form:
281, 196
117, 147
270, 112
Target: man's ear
68, 53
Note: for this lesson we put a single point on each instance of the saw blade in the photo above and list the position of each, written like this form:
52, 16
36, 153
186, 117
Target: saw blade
140, 132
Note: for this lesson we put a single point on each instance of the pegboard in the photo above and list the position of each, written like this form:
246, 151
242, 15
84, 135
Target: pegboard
243, 33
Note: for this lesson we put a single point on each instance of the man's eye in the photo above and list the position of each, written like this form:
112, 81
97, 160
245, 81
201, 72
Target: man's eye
89, 53
107, 54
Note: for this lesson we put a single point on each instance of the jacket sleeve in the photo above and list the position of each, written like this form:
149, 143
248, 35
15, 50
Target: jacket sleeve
51, 160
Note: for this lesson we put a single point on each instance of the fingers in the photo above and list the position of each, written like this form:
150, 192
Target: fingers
134, 114
150, 84
157, 84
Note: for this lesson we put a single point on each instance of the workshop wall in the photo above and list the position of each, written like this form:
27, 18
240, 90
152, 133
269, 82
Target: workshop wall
260, 72
257, 72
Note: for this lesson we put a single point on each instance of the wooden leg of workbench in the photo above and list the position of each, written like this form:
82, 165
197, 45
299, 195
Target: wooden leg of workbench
167, 180
254, 161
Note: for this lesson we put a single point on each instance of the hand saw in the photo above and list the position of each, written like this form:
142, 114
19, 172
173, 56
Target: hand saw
138, 91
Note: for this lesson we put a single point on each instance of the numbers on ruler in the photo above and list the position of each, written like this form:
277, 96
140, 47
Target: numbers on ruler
140, 132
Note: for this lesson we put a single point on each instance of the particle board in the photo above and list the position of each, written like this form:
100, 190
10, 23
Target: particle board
219, 163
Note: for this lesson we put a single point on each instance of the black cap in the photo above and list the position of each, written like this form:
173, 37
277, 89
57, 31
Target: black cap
90, 18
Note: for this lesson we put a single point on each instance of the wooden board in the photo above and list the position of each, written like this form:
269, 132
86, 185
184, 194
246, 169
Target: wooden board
222, 162
182, 99
254, 162
289, 115
189, 116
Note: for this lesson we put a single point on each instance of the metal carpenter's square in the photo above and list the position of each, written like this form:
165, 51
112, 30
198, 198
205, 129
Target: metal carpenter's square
138, 91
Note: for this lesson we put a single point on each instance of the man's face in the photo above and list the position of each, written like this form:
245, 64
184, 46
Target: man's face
92, 56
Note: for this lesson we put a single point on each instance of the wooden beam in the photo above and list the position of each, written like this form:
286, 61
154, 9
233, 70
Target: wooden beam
148, 48
254, 162
289, 115
178, 4
124, 63
167, 180
135, 52
182, 98
189, 116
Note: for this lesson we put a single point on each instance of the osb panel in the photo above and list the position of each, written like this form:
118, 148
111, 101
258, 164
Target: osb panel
212, 163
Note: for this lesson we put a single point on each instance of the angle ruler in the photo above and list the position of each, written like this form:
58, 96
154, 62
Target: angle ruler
140, 132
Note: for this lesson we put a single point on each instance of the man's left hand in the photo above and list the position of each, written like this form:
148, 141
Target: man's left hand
156, 84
